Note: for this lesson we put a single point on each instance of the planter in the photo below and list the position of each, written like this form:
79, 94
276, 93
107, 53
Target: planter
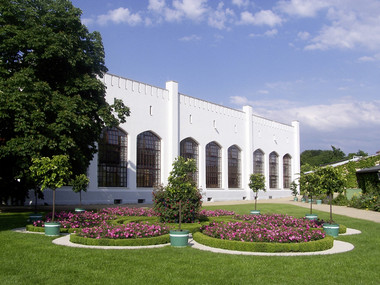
179, 238
52, 229
295, 199
303, 200
310, 201
331, 229
311, 217
319, 202
255, 212
35, 217
79, 210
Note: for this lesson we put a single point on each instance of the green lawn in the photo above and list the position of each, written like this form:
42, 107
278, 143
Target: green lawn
33, 259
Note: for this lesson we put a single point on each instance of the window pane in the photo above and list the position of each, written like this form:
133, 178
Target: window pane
234, 167
112, 158
189, 150
213, 166
258, 162
273, 170
287, 166
148, 166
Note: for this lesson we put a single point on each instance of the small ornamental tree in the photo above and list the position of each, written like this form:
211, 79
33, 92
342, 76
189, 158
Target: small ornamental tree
181, 192
80, 183
294, 188
309, 184
331, 181
51, 173
257, 183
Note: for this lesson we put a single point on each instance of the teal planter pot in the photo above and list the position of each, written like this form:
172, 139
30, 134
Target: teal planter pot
295, 199
303, 200
310, 201
52, 229
79, 210
319, 202
179, 238
331, 229
35, 217
311, 217
255, 212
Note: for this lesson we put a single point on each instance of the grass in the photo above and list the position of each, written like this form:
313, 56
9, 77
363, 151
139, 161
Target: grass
32, 258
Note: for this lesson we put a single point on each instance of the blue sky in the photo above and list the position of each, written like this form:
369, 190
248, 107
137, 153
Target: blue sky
315, 61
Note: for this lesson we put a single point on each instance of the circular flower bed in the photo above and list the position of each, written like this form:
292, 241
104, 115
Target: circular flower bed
265, 228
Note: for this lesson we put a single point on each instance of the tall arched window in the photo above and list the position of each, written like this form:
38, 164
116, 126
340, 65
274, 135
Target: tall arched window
287, 170
234, 170
273, 170
213, 166
258, 161
112, 158
189, 149
148, 166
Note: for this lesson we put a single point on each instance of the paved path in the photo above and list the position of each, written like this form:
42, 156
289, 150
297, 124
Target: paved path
339, 210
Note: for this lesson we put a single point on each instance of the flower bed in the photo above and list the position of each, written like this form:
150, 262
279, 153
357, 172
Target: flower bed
265, 228
124, 231
216, 213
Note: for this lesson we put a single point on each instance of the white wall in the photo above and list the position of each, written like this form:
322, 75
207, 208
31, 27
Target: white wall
174, 117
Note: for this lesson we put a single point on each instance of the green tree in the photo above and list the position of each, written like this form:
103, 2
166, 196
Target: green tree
257, 183
80, 183
51, 173
309, 185
51, 98
331, 180
320, 157
180, 201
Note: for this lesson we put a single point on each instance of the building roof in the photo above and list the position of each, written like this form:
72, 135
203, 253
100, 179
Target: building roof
370, 169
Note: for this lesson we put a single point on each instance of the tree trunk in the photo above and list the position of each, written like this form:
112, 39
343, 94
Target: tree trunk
255, 201
331, 219
311, 204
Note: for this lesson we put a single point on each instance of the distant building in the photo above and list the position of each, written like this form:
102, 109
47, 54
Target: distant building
227, 144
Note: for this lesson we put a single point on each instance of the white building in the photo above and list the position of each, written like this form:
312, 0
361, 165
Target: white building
227, 144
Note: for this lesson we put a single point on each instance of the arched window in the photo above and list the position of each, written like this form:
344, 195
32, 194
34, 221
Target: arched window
148, 166
234, 170
287, 172
258, 161
273, 170
189, 149
213, 165
112, 158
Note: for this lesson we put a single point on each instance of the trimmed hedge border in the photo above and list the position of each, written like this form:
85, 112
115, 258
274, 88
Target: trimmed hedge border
310, 246
32, 228
342, 229
120, 242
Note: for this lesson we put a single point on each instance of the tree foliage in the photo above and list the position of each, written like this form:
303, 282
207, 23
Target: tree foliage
257, 183
181, 189
51, 173
51, 98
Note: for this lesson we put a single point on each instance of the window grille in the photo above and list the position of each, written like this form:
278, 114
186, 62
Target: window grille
148, 168
258, 162
273, 170
112, 158
213, 166
189, 149
287, 173
234, 171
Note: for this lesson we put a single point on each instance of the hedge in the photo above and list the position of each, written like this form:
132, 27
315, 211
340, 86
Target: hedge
318, 245
120, 242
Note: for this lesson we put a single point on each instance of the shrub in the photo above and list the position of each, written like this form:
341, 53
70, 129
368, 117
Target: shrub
340, 200
181, 190
319, 245
366, 201
75, 238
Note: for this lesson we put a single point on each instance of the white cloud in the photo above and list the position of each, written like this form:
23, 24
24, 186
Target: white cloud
120, 15
192, 9
262, 18
156, 5
269, 33
190, 38
350, 25
345, 114
220, 16
241, 3
303, 35
302, 8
